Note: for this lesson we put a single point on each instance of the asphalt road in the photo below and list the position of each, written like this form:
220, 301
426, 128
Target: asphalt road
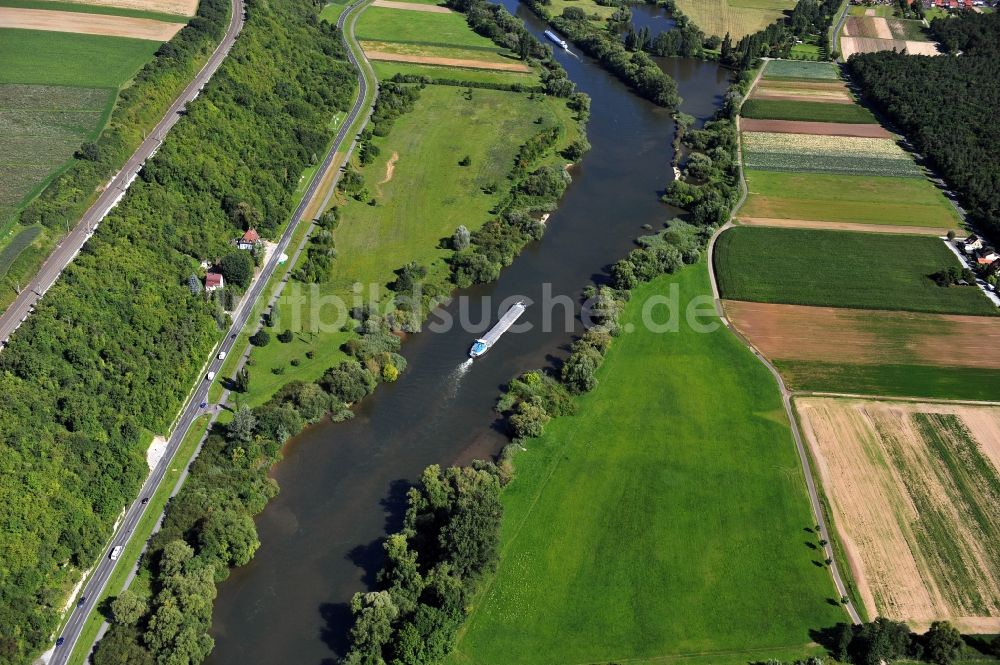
192, 409
70, 246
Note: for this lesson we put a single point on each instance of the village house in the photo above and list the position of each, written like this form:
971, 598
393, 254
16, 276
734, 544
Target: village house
971, 244
986, 256
214, 281
249, 240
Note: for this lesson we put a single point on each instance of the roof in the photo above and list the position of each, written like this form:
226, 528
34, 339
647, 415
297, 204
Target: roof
250, 236
213, 280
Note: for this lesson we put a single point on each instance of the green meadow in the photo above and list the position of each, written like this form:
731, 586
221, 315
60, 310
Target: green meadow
414, 27
848, 198
426, 198
841, 269
664, 522
792, 69
780, 109
55, 5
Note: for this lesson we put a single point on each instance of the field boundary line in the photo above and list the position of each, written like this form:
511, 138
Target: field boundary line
893, 398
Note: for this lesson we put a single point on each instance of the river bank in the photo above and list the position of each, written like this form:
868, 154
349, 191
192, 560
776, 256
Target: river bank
342, 485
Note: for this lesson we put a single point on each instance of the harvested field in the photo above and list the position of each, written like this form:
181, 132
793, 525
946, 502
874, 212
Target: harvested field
449, 62
819, 128
181, 7
798, 69
867, 27
841, 226
88, 24
907, 30
915, 492
851, 45
865, 337
737, 17
412, 6
814, 91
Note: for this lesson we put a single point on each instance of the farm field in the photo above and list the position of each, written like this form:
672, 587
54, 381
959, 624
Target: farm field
798, 70
737, 17
387, 33
868, 34
386, 69
674, 564
71, 6
829, 349
849, 199
181, 7
864, 130
88, 23
827, 154
806, 91
841, 269
771, 109
422, 198
915, 493
58, 58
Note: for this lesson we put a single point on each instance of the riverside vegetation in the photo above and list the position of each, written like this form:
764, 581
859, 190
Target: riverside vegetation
114, 347
209, 526
450, 541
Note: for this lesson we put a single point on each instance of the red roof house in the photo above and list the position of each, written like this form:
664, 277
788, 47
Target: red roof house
249, 240
213, 281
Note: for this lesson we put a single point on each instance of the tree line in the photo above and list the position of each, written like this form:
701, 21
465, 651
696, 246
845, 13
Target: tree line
938, 104
113, 348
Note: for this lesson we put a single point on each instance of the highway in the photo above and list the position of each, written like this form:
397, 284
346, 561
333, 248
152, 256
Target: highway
70, 246
105, 566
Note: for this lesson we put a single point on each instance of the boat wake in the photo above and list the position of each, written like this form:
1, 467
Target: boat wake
456, 376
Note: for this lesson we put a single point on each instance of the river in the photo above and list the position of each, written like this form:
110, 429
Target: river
343, 485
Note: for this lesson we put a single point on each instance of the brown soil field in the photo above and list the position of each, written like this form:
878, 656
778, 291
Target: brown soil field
915, 493
852, 45
867, 337
181, 7
450, 62
412, 6
819, 128
921, 48
88, 24
791, 97
840, 226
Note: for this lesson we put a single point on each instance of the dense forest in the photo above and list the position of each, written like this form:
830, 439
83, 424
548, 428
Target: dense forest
944, 107
115, 345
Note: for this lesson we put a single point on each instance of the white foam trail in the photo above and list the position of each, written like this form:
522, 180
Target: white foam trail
455, 378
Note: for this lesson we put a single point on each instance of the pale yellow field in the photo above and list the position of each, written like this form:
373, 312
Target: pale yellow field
182, 7
915, 494
88, 24
737, 17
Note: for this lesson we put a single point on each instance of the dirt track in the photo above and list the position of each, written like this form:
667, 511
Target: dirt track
819, 128
390, 168
449, 62
411, 6
841, 226
918, 538
182, 7
88, 24
866, 337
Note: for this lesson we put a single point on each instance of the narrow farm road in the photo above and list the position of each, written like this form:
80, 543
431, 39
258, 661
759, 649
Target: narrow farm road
355, 122
786, 396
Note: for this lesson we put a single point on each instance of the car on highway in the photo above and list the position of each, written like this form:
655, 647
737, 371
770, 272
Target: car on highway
60, 641
203, 405
116, 552
82, 600
145, 500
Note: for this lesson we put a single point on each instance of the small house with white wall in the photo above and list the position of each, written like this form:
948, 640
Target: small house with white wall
214, 281
249, 240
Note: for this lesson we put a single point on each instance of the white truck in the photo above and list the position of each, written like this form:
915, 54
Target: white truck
116, 552
222, 355
210, 376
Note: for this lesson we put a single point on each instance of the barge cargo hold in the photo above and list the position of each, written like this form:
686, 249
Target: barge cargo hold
557, 39
484, 343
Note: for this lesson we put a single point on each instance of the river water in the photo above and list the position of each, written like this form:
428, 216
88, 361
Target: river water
343, 485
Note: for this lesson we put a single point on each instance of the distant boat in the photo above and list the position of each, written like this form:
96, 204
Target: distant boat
486, 342
557, 39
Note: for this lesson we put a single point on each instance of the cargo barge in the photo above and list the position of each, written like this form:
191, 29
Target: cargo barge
486, 342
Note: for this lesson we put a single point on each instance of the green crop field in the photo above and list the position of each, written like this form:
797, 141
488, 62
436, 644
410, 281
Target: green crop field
55, 5
827, 154
737, 17
848, 198
904, 380
412, 27
792, 69
780, 109
841, 269
63, 58
385, 70
650, 528
428, 196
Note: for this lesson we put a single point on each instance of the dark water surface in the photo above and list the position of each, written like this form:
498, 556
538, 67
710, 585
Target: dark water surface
342, 485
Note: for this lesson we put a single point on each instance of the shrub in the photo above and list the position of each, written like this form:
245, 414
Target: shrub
260, 338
